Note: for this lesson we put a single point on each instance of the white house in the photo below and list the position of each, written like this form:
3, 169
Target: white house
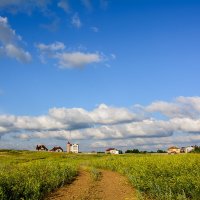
173, 150
112, 151
72, 148
189, 149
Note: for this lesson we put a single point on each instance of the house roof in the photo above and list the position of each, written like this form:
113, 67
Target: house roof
110, 149
190, 147
173, 147
56, 148
41, 146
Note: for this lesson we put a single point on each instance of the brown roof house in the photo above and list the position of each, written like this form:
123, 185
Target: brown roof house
57, 149
173, 150
112, 151
41, 147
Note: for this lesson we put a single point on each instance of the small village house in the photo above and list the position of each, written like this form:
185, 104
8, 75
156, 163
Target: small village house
173, 150
72, 148
112, 151
187, 149
182, 150
57, 149
41, 147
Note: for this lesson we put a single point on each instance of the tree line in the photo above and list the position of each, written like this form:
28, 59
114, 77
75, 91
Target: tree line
138, 151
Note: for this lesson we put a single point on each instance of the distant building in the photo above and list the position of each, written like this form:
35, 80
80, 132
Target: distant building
41, 147
112, 151
72, 148
182, 150
189, 149
57, 149
173, 150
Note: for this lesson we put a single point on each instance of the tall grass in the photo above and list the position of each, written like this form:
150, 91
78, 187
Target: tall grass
31, 175
33, 179
158, 177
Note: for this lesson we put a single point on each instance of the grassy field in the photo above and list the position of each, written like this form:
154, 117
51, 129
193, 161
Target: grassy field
161, 177
31, 175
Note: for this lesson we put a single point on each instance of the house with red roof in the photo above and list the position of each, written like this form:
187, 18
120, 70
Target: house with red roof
112, 151
57, 149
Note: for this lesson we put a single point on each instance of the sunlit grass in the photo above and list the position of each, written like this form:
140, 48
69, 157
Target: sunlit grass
159, 177
31, 175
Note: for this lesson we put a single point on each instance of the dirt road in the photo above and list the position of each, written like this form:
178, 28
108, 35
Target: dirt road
111, 186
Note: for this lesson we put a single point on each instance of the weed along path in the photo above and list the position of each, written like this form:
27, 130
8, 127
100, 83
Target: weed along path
107, 185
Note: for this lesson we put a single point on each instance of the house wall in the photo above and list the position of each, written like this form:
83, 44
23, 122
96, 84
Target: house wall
68, 148
188, 149
74, 148
174, 151
114, 151
42, 149
59, 150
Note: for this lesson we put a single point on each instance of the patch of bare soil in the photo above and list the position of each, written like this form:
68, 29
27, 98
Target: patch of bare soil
111, 186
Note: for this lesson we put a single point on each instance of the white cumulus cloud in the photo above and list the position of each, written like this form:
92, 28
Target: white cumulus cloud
10, 42
56, 46
77, 59
67, 119
18, 53
181, 107
68, 59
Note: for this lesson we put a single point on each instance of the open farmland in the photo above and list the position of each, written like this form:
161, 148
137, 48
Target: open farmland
32, 175
158, 176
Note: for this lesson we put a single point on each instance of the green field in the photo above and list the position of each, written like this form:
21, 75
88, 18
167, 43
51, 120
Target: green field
31, 175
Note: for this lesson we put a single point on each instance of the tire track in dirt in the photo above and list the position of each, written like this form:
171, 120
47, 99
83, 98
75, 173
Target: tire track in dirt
111, 186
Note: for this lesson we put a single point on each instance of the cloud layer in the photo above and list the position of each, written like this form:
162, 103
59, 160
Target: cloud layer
109, 125
182, 107
66, 119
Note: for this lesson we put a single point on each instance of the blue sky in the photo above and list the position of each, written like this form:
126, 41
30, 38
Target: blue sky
113, 73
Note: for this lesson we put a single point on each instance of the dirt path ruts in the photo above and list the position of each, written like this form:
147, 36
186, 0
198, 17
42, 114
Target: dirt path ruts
111, 186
